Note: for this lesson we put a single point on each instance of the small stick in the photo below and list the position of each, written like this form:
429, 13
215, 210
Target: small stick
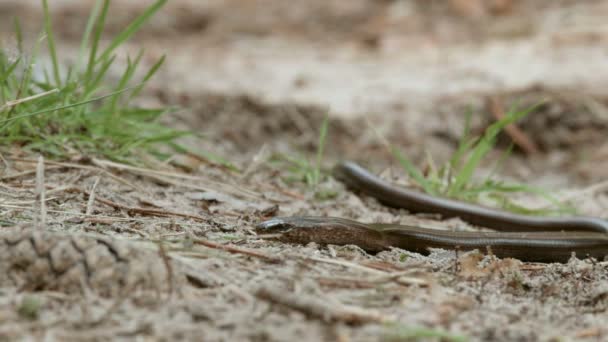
347, 264
93, 217
402, 278
40, 221
236, 250
398, 277
147, 172
91, 201
456, 250
7, 166
59, 165
321, 308
170, 278
13, 103
144, 211
27, 172
259, 158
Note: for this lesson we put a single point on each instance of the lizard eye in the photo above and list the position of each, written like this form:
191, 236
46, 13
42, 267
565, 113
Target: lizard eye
273, 224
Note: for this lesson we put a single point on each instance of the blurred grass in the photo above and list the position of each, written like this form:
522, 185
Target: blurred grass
456, 179
397, 332
301, 169
62, 111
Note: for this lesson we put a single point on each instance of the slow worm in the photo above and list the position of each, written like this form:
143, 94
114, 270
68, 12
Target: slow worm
528, 238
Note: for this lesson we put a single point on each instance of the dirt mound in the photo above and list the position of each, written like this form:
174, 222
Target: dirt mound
35, 259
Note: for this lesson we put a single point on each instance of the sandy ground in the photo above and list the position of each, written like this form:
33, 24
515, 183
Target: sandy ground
169, 252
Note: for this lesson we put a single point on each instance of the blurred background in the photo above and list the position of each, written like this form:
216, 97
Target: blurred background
276, 92
254, 72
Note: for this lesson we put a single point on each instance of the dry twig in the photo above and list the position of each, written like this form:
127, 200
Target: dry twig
27, 172
236, 250
321, 308
149, 172
101, 218
381, 276
91, 201
58, 165
170, 278
13, 103
143, 211
40, 221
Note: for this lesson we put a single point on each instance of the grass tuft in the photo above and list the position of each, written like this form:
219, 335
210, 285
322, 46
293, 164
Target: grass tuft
63, 111
316, 171
456, 178
301, 169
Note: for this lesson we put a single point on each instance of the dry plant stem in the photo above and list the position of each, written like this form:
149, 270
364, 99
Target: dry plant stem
532, 267
143, 211
91, 201
237, 250
13, 103
40, 194
189, 186
7, 166
29, 202
58, 165
519, 137
349, 283
170, 277
346, 264
381, 276
285, 192
163, 176
102, 218
320, 308
151, 212
399, 277
259, 158
146, 172
403, 278
28, 172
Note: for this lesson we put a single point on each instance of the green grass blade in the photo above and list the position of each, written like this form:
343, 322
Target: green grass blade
485, 144
133, 27
413, 171
23, 89
100, 24
522, 188
9, 71
433, 174
19, 35
148, 75
464, 144
126, 77
51, 43
99, 77
84, 43
47, 110
130, 70
500, 162
299, 163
